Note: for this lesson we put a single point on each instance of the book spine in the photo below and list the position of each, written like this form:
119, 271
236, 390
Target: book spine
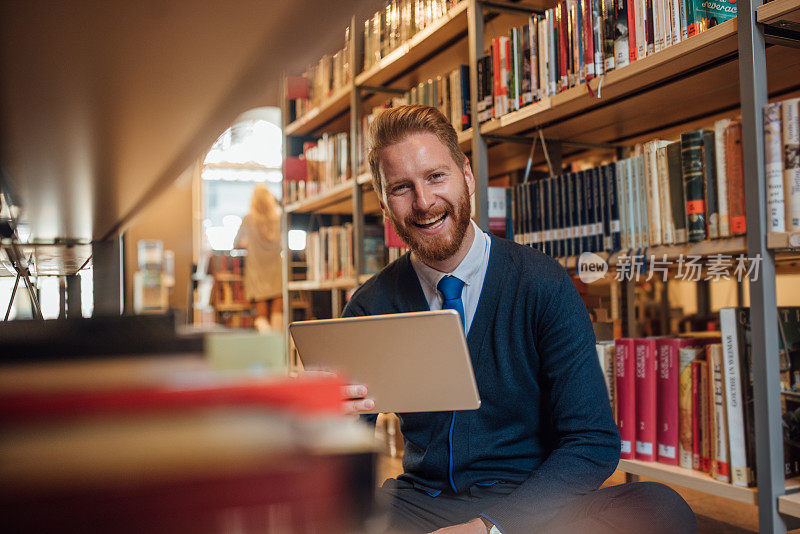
497, 74
576, 42
685, 437
710, 184
463, 85
544, 39
641, 28
722, 177
733, 159
653, 189
530, 66
664, 200
622, 203
646, 409
599, 214
632, 27
573, 212
514, 68
609, 27
613, 207
721, 468
587, 12
697, 436
626, 395
675, 20
746, 374
677, 200
621, 49
597, 36
773, 160
683, 18
562, 15
692, 160
733, 397
694, 17
667, 395
554, 68
705, 432
791, 162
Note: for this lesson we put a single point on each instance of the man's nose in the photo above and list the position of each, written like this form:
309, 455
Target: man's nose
423, 199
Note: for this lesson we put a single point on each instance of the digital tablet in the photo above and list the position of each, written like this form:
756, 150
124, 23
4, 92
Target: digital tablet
410, 362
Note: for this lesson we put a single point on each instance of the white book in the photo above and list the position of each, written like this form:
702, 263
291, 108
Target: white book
740, 475
658, 25
641, 202
684, 20
640, 16
664, 197
631, 183
622, 203
675, 18
791, 162
722, 178
773, 160
543, 51
719, 454
666, 23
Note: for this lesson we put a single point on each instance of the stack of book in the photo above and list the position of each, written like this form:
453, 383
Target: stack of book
578, 40
324, 164
667, 193
329, 253
398, 22
688, 401
782, 160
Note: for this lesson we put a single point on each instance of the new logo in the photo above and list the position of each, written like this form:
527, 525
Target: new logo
591, 267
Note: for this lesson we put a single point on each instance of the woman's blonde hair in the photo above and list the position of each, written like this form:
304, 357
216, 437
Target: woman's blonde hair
393, 125
265, 213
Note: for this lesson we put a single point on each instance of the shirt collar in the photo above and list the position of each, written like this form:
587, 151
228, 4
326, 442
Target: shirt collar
466, 271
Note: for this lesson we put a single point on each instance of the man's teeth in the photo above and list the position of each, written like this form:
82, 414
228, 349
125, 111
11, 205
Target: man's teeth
430, 221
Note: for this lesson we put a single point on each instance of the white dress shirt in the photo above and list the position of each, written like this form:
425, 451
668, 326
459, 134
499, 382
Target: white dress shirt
471, 271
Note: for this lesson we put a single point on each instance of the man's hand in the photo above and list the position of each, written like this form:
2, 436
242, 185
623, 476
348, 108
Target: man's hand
355, 400
475, 526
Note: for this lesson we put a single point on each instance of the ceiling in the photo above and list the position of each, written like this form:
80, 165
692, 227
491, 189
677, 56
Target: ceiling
104, 103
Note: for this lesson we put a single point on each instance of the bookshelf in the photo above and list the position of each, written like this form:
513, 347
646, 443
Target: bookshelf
715, 74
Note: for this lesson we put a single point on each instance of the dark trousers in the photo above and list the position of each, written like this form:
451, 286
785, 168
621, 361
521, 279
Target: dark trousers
640, 507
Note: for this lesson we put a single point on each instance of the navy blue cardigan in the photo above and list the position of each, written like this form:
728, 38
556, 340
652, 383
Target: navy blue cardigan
545, 421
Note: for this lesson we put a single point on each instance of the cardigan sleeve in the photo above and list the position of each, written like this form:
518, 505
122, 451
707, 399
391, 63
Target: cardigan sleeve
587, 443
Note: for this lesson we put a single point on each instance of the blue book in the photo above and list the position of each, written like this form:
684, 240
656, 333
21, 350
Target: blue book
597, 208
615, 243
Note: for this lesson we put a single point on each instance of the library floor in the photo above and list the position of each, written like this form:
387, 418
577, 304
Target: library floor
715, 515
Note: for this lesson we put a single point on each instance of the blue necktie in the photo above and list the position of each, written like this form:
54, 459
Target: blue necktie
450, 287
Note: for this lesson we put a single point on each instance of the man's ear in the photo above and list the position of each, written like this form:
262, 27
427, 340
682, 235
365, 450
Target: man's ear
469, 178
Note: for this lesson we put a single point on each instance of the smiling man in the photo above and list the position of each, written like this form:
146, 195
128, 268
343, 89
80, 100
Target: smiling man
532, 458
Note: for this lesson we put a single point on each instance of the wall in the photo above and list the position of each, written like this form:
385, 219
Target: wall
168, 218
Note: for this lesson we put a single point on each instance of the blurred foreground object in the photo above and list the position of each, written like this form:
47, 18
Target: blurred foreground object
168, 444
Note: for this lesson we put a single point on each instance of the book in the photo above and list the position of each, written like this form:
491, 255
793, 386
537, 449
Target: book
693, 182
705, 430
625, 366
646, 395
668, 395
722, 177
633, 28
609, 32
736, 384
773, 160
734, 165
791, 162
686, 357
621, 47
697, 414
710, 184
676, 194
605, 353
719, 423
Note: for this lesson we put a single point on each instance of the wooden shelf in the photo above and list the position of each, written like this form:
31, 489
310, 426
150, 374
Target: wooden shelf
779, 10
465, 139
328, 202
227, 277
426, 43
784, 241
789, 504
324, 285
338, 104
688, 478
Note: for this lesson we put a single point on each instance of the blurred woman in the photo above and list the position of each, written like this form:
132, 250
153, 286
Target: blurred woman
260, 235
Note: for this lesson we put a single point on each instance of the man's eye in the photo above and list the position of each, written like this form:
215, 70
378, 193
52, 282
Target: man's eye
437, 176
399, 189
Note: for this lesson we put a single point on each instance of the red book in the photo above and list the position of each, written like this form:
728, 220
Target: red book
624, 355
632, 52
733, 158
646, 412
562, 18
588, 39
667, 385
697, 438
497, 74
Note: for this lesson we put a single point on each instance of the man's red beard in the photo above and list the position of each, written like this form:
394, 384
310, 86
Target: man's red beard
441, 246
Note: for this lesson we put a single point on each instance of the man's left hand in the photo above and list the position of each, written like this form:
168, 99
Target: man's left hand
475, 526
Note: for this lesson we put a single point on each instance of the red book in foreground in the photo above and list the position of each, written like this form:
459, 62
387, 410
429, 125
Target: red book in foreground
626, 395
646, 415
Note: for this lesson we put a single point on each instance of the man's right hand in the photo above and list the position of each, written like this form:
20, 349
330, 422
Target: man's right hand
355, 400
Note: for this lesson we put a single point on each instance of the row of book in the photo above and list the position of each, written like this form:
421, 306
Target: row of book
688, 401
397, 22
320, 81
324, 164
667, 193
578, 40
329, 252
782, 161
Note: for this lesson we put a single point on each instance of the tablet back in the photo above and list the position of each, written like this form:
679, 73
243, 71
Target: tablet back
410, 362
